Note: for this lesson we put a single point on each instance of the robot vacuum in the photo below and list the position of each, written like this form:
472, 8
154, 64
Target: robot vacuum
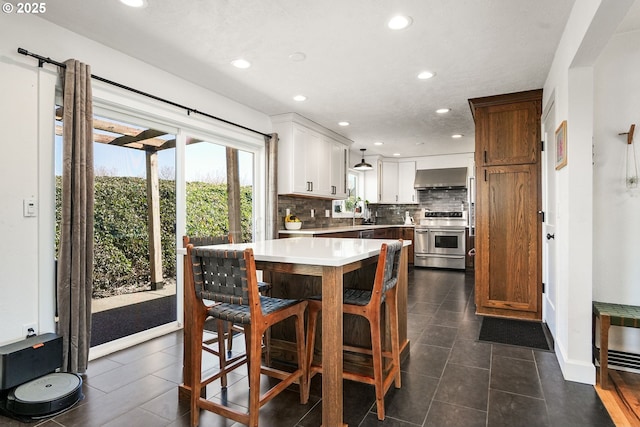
45, 396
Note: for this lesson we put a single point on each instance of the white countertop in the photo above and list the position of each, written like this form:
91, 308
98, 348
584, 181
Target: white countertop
339, 229
327, 252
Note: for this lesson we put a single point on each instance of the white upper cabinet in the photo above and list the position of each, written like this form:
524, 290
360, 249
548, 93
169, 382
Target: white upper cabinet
389, 182
311, 159
395, 181
339, 162
406, 179
372, 190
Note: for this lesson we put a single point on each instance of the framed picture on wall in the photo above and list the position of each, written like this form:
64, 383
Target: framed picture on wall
561, 145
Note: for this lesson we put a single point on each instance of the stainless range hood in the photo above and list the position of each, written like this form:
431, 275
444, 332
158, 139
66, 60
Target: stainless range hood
441, 178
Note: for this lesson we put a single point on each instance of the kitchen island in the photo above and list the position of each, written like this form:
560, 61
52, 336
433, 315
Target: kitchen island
300, 268
364, 231
311, 232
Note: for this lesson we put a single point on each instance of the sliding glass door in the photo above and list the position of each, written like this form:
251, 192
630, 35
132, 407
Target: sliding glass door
134, 277
219, 190
159, 175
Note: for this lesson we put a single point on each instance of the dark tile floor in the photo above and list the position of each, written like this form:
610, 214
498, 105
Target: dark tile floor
449, 379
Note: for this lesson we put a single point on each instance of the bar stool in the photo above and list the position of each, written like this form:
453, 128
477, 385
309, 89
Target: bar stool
229, 277
368, 304
223, 330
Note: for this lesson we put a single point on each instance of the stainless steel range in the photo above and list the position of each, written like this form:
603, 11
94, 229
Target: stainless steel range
440, 239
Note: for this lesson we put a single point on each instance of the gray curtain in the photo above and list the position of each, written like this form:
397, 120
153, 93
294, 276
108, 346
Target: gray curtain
271, 231
75, 255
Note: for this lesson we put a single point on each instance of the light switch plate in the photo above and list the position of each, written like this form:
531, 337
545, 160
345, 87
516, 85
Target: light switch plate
30, 207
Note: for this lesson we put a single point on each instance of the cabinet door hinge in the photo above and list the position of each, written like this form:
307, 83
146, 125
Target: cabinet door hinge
541, 145
543, 287
541, 213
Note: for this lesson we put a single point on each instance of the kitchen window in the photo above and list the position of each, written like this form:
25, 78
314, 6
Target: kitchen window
353, 205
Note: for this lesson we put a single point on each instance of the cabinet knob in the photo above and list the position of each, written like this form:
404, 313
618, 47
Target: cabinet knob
550, 236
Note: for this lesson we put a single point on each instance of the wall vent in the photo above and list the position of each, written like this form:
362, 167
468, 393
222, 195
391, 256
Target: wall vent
621, 359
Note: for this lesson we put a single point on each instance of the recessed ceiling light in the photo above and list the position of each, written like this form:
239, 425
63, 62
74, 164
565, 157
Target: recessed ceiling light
378, 143
443, 110
419, 143
424, 75
344, 123
297, 56
399, 22
299, 98
134, 3
241, 63
457, 135
396, 154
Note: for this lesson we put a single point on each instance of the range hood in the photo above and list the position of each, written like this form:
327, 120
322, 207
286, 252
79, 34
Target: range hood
441, 178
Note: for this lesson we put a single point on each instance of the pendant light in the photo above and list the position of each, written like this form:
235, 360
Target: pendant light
363, 166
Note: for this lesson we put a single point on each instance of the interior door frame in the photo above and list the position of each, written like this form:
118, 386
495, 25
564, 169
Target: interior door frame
549, 296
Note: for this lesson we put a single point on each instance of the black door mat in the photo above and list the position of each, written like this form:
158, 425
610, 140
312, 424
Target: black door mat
513, 332
120, 322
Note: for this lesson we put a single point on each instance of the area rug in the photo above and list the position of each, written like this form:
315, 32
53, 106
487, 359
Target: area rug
120, 322
513, 332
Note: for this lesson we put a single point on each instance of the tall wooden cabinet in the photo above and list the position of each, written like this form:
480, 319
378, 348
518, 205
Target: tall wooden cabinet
508, 261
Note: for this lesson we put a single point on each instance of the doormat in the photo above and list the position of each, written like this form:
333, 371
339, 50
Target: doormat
120, 322
513, 332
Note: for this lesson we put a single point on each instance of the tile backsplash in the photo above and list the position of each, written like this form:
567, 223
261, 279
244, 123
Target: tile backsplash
436, 200
302, 206
443, 200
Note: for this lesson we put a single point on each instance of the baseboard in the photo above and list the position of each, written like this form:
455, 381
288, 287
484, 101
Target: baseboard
575, 370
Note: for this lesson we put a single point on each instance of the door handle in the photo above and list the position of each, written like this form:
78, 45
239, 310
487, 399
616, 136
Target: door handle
550, 236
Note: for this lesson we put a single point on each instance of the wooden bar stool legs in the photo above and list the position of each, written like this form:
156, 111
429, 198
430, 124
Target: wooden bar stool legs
369, 304
229, 277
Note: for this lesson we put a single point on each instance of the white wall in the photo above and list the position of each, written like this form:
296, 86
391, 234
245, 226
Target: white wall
616, 232
447, 161
571, 83
26, 252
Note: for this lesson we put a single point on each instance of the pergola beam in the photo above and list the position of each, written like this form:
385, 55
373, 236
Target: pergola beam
233, 195
153, 220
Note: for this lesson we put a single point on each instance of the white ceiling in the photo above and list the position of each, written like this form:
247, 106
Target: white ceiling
356, 69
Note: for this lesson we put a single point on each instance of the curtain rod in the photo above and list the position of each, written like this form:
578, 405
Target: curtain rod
42, 60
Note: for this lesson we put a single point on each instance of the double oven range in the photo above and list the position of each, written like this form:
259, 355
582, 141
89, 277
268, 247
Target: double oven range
440, 239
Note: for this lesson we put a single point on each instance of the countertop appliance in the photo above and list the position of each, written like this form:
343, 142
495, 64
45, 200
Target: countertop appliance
440, 239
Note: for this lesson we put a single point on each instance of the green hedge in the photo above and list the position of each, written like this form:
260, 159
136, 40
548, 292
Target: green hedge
121, 239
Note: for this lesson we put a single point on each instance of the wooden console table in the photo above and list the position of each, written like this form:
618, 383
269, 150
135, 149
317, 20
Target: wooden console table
610, 314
